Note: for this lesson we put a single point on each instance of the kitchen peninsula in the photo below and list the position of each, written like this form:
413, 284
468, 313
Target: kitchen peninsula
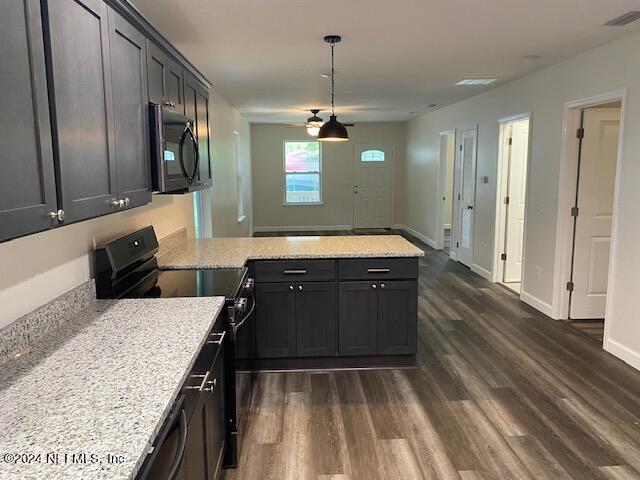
320, 301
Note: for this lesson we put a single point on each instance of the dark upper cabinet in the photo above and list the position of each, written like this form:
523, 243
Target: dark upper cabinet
131, 115
82, 107
358, 318
164, 78
196, 107
316, 316
397, 313
275, 320
27, 182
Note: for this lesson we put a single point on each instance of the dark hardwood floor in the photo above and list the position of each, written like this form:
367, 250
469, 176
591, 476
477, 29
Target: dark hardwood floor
501, 392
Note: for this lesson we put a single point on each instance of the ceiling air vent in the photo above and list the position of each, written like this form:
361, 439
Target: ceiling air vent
624, 19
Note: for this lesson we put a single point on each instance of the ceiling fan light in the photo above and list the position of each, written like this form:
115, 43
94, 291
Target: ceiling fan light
333, 131
313, 129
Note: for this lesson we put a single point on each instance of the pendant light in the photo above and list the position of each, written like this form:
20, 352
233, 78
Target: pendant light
314, 123
333, 130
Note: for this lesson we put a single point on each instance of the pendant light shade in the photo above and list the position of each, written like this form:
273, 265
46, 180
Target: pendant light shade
333, 130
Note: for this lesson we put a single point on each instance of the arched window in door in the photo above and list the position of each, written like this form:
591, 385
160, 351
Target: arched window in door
372, 156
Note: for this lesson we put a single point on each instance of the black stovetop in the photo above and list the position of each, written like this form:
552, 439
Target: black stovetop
225, 282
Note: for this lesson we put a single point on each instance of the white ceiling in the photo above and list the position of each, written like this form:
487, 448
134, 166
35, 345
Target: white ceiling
266, 56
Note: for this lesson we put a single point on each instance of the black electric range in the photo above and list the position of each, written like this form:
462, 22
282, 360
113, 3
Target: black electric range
127, 268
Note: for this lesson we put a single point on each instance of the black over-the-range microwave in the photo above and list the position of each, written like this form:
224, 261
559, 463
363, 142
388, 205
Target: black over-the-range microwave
174, 151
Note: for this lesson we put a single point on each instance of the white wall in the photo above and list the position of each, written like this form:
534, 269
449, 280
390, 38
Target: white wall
231, 136
337, 174
38, 268
608, 68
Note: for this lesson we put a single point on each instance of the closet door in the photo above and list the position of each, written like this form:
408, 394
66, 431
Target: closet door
27, 181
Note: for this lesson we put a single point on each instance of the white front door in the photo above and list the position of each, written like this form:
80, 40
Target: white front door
597, 171
466, 200
372, 186
516, 192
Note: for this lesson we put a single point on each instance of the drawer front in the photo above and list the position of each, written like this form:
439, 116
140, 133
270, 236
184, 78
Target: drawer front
295, 270
377, 268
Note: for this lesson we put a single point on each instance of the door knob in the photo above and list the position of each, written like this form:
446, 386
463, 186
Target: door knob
126, 202
469, 207
115, 203
121, 203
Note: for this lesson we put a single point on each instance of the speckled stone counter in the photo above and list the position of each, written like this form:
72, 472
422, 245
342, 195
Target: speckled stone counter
234, 252
100, 385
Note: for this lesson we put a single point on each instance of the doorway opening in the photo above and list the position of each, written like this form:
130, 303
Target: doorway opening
447, 170
586, 221
511, 200
372, 186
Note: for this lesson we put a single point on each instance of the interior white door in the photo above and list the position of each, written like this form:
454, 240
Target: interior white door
516, 192
596, 185
468, 150
373, 186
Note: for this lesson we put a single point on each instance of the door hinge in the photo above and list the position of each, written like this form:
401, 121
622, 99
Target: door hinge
506, 200
510, 141
574, 211
580, 133
503, 256
457, 244
570, 286
460, 147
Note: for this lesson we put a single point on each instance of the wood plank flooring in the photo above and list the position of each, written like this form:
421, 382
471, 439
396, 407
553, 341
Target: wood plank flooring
501, 392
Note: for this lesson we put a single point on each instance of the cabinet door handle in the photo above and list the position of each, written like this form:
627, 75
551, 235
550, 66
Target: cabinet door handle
374, 286
291, 287
57, 215
213, 384
294, 272
382, 285
300, 287
378, 270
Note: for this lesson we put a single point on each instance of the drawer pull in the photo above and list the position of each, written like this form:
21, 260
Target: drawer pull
219, 340
378, 270
294, 272
205, 379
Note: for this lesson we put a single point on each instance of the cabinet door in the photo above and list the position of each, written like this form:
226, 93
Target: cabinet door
357, 319
216, 418
83, 109
196, 107
316, 319
397, 317
164, 78
27, 182
195, 464
275, 320
131, 114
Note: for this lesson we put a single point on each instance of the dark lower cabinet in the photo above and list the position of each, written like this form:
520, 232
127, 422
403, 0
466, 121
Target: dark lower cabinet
27, 182
275, 320
397, 313
131, 115
357, 321
82, 109
316, 315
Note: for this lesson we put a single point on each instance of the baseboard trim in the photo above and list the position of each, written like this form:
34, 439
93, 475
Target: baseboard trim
537, 303
623, 353
424, 238
483, 272
306, 228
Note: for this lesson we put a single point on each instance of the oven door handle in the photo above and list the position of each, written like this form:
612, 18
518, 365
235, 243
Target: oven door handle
189, 131
236, 326
180, 451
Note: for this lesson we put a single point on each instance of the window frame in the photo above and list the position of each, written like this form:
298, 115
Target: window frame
284, 175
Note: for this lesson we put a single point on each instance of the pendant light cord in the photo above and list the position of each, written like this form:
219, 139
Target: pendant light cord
332, 81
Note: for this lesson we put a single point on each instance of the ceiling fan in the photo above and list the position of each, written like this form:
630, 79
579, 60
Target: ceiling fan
313, 123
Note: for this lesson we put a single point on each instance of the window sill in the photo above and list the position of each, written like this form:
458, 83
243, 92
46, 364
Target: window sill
303, 204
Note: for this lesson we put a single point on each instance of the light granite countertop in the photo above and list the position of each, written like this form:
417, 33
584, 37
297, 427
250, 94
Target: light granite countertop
235, 252
101, 385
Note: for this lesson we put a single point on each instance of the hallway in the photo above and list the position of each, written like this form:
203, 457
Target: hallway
502, 392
